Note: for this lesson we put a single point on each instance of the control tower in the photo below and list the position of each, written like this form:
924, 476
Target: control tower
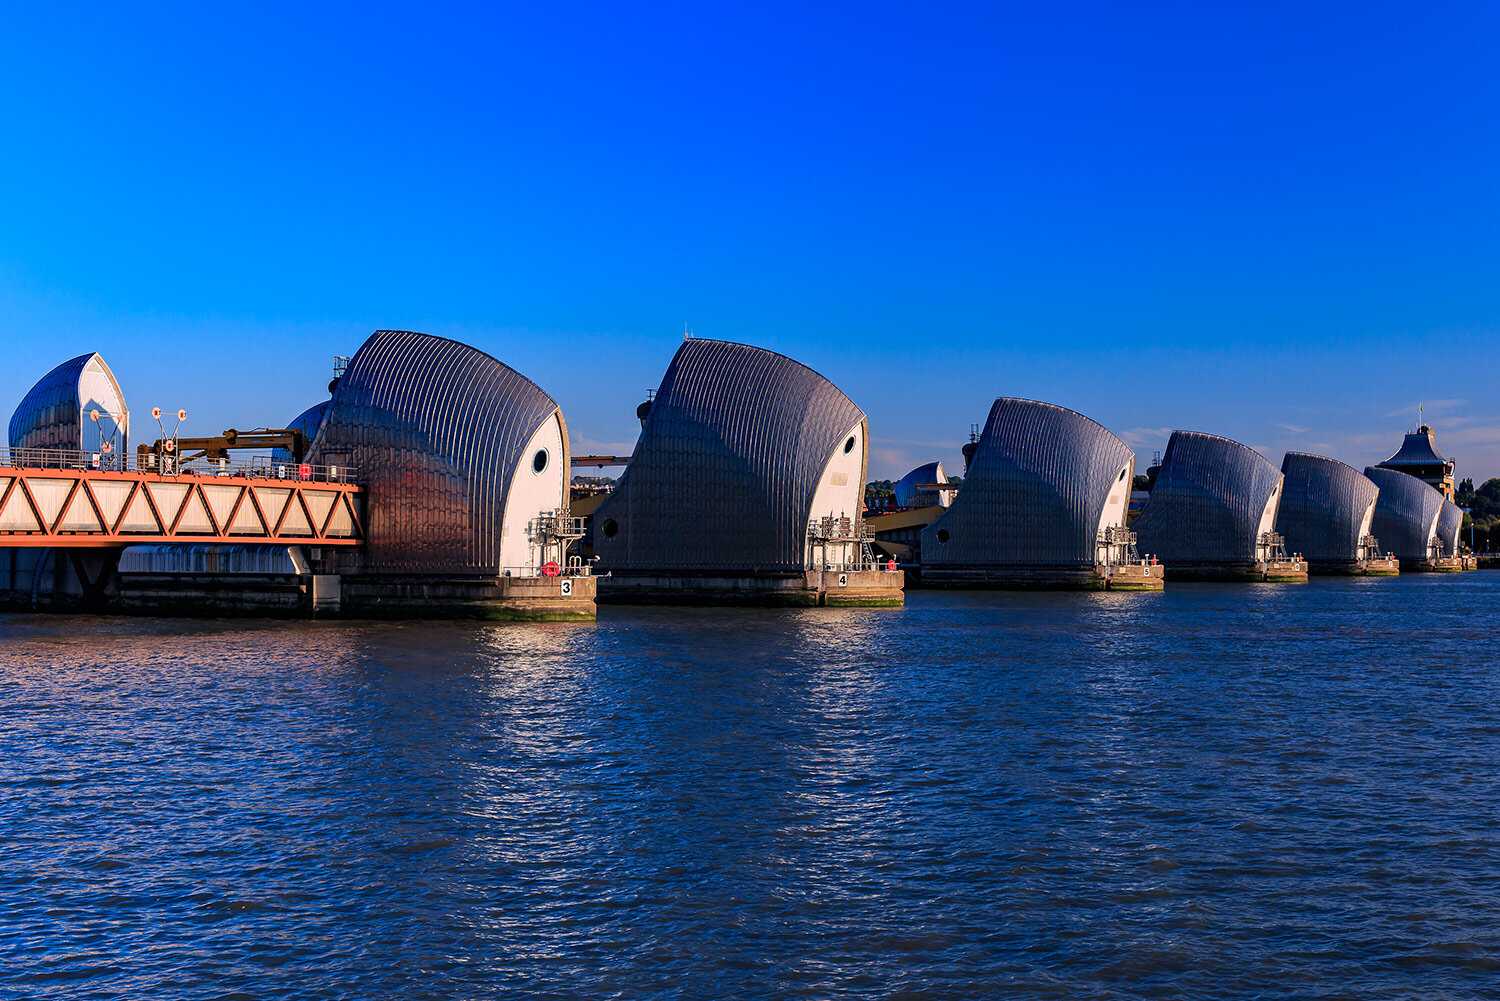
1419, 457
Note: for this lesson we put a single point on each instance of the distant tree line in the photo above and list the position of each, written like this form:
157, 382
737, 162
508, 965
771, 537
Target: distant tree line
1484, 512
880, 493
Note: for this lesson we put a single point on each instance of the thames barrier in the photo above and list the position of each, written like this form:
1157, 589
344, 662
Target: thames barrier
436, 482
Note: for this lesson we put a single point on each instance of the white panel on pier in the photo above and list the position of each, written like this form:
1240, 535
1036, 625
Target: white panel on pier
17, 516
138, 518
49, 494
246, 521
272, 501
168, 499
195, 516
340, 526
221, 501
296, 522
319, 503
80, 516
111, 495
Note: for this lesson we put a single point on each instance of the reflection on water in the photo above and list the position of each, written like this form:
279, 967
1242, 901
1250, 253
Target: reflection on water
1214, 791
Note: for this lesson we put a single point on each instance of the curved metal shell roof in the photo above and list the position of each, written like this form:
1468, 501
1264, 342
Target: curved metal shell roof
1418, 448
727, 465
308, 423
1034, 492
1323, 506
1450, 523
1406, 513
54, 414
907, 494
1207, 502
436, 430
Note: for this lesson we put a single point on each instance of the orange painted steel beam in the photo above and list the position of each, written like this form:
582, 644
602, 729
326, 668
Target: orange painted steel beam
255, 523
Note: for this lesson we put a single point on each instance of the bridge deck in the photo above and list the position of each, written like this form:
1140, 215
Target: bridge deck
99, 508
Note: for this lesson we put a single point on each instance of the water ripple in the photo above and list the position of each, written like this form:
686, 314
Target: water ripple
1258, 792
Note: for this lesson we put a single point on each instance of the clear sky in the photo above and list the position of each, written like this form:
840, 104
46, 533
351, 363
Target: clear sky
1277, 223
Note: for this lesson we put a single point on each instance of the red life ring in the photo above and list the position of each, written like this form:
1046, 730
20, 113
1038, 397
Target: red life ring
551, 569
304, 471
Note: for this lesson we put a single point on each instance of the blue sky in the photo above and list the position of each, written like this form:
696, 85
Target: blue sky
1277, 223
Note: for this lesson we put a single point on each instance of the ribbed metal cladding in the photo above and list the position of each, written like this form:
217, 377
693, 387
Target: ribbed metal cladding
1207, 501
308, 423
1450, 523
1406, 513
728, 463
907, 494
1034, 492
180, 559
52, 414
435, 429
1323, 505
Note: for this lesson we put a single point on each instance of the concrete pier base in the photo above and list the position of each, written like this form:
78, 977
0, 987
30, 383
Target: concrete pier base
325, 596
1284, 571
812, 588
521, 599
1137, 577
858, 588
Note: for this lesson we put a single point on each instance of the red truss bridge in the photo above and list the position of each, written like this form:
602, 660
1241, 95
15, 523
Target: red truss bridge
65, 499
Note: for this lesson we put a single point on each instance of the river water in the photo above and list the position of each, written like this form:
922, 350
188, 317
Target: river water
1252, 791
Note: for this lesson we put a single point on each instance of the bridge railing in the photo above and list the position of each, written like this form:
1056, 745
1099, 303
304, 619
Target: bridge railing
256, 467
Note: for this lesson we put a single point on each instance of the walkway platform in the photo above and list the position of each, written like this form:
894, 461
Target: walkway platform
101, 508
